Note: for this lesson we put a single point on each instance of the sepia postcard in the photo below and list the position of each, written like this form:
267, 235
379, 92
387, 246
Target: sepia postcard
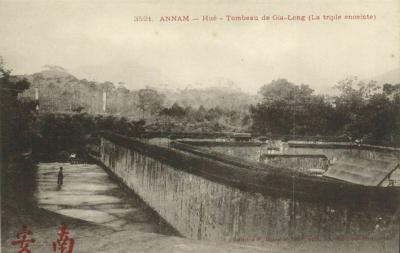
200, 126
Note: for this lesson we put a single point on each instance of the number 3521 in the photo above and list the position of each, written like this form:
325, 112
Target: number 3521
142, 19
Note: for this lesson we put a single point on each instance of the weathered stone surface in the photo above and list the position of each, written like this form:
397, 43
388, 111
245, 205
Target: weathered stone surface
299, 163
202, 209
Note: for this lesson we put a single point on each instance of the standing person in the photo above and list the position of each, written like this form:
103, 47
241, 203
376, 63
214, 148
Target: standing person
60, 177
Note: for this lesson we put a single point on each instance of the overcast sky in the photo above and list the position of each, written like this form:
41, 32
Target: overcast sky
98, 40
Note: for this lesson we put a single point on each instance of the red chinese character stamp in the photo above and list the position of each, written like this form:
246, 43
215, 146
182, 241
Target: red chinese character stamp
63, 244
23, 239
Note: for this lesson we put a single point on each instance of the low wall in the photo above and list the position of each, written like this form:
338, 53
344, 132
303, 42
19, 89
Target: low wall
214, 200
343, 151
333, 151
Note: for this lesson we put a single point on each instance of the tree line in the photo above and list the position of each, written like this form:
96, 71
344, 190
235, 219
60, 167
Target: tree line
360, 111
60, 91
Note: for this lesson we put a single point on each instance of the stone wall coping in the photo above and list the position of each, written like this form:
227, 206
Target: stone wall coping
340, 145
242, 175
294, 155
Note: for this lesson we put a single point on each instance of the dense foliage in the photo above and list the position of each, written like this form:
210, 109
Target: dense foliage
68, 109
61, 131
183, 119
17, 116
360, 110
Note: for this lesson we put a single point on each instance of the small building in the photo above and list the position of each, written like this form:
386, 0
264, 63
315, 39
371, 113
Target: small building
241, 136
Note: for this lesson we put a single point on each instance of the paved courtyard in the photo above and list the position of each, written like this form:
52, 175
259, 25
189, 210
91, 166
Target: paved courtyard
89, 194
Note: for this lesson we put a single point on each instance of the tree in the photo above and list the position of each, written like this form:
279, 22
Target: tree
107, 86
149, 101
200, 114
392, 91
214, 113
282, 89
286, 109
15, 114
175, 111
350, 105
120, 98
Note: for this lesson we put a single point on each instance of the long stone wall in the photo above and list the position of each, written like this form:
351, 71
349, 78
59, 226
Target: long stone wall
204, 207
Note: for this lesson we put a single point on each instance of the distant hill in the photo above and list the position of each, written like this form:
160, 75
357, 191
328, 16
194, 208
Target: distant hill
391, 77
61, 91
